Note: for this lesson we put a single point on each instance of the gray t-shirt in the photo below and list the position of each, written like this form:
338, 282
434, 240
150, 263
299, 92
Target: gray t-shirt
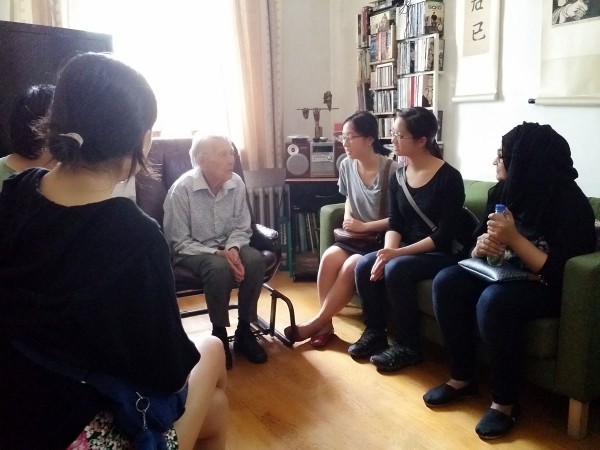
365, 201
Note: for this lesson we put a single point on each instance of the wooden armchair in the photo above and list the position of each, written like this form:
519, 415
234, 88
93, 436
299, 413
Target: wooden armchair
169, 159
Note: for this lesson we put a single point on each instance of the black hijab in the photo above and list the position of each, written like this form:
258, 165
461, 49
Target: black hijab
538, 162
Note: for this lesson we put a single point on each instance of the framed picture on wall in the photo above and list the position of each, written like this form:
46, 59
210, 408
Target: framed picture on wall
574, 11
570, 55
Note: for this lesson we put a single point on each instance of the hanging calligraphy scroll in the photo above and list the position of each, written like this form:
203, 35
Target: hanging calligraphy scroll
478, 38
570, 55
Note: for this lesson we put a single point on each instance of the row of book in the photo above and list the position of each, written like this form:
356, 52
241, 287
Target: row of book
385, 125
307, 236
283, 228
420, 17
365, 99
384, 101
383, 76
363, 26
418, 55
415, 91
382, 45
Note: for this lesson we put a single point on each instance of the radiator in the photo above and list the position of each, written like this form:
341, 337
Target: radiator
268, 204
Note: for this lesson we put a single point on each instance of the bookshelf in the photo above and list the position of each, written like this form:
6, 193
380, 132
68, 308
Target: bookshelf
306, 197
407, 73
420, 55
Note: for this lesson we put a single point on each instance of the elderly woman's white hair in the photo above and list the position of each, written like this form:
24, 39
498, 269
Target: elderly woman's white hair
202, 145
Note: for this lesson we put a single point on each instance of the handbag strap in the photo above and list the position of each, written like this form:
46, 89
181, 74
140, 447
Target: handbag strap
411, 200
105, 384
384, 190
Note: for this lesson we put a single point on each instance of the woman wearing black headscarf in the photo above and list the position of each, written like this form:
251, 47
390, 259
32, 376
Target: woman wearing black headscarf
548, 220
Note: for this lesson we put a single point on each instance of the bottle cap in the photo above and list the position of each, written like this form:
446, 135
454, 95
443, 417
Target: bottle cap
500, 208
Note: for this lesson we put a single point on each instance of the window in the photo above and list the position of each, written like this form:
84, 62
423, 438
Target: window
187, 51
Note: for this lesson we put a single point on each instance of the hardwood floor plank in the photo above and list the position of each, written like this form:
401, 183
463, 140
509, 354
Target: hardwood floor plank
304, 398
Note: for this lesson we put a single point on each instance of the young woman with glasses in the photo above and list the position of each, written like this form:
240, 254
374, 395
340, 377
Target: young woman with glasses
412, 251
361, 180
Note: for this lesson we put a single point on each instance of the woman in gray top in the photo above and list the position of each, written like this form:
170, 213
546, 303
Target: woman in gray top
361, 180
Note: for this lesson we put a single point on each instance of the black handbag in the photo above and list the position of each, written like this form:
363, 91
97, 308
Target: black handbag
359, 241
494, 274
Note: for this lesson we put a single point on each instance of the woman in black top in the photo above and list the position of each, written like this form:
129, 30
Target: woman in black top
548, 220
412, 251
86, 281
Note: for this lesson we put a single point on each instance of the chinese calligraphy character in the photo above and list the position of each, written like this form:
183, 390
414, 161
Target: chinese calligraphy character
476, 5
478, 33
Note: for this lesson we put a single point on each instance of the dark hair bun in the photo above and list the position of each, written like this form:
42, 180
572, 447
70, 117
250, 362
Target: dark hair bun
64, 148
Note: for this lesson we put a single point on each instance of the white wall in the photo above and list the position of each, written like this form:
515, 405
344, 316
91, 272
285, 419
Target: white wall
306, 63
344, 54
319, 54
472, 131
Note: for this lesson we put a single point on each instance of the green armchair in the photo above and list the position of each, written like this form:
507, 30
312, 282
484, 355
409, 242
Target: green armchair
562, 354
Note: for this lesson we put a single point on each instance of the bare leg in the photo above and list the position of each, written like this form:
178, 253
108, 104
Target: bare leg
204, 422
335, 285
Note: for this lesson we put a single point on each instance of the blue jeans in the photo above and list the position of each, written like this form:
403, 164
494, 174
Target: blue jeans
399, 287
465, 305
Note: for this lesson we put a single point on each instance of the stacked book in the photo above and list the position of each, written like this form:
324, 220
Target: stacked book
419, 17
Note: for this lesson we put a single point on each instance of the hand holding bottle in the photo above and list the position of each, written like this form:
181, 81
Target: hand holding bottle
502, 230
501, 227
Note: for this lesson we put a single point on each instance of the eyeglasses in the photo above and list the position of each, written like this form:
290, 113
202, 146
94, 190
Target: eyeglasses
347, 137
399, 137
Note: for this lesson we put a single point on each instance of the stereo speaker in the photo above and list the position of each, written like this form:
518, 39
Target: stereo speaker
339, 154
297, 154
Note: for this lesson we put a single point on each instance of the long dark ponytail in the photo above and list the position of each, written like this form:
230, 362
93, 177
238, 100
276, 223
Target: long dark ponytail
421, 122
365, 124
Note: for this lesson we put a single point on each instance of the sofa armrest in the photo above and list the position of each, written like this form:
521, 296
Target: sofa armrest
265, 238
330, 217
578, 358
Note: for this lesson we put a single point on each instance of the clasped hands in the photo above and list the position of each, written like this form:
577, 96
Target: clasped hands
383, 256
233, 259
501, 232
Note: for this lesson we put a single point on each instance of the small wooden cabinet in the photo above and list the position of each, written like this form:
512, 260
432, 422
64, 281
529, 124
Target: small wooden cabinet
306, 197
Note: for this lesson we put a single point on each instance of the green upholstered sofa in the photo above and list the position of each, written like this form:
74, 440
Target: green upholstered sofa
563, 354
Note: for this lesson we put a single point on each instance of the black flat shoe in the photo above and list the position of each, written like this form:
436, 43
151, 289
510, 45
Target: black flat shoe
495, 424
445, 394
245, 343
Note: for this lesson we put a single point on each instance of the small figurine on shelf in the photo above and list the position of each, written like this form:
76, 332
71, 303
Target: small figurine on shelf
327, 100
318, 129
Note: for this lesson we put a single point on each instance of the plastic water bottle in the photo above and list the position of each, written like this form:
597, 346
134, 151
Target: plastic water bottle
497, 260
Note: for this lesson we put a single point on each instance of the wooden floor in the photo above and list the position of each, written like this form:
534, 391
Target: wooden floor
304, 398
